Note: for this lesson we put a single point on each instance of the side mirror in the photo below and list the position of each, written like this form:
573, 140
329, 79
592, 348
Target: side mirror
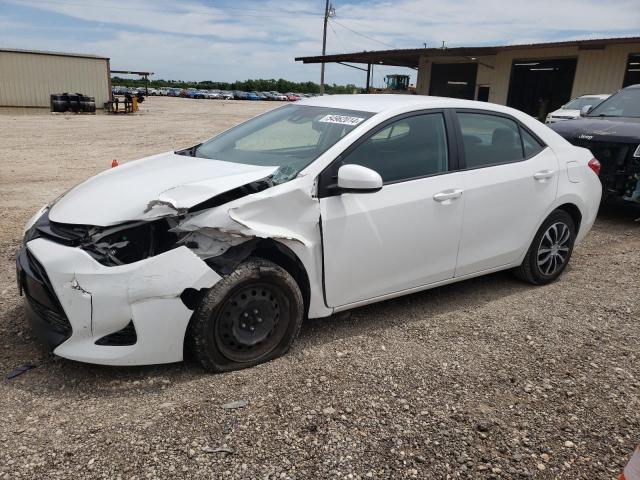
358, 179
584, 111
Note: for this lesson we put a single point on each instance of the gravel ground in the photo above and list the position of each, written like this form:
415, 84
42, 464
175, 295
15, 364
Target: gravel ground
489, 378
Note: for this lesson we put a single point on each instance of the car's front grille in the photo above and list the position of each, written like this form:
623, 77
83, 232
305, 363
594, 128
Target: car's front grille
55, 316
611, 156
58, 321
619, 169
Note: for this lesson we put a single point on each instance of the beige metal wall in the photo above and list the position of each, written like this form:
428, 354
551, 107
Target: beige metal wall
597, 71
28, 79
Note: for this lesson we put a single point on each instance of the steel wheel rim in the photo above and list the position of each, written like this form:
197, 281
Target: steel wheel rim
553, 251
251, 321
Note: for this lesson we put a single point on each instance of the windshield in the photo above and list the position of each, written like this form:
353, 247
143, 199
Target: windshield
625, 103
578, 103
289, 137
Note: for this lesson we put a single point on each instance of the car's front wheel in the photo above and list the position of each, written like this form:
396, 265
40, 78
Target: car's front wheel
550, 250
250, 316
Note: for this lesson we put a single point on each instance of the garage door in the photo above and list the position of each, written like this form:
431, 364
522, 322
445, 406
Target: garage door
456, 80
538, 87
632, 73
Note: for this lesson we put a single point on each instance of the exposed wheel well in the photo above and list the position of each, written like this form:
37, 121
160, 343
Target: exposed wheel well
266, 249
284, 256
574, 212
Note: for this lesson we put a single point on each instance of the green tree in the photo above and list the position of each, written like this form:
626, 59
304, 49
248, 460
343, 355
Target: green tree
261, 85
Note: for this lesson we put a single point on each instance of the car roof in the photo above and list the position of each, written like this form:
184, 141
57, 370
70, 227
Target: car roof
376, 103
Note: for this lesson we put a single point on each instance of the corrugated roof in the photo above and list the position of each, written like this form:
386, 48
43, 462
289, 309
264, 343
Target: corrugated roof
409, 57
57, 54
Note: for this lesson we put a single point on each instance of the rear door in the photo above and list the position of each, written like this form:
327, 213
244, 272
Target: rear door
406, 234
510, 180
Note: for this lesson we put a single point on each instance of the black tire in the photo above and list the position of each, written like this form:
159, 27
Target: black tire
250, 316
531, 270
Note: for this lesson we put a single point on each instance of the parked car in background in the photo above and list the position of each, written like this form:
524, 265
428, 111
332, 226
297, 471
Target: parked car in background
388, 195
612, 132
292, 97
571, 110
279, 96
252, 96
226, 95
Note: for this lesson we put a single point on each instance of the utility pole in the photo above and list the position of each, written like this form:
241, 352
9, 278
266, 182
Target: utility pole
328, 12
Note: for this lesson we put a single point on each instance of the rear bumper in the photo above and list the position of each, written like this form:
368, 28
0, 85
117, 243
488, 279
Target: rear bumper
99, 301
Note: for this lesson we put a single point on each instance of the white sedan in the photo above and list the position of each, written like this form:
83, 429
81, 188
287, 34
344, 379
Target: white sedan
574, 108
309, 209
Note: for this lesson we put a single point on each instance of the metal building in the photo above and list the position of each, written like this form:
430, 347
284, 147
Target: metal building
534, 78
28, 77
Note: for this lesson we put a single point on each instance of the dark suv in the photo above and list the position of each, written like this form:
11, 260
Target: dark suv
612, 132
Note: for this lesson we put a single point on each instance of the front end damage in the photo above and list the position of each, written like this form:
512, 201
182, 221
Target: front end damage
620, 173
128, 291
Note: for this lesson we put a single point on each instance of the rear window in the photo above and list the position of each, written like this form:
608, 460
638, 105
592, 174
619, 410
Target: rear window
530, 145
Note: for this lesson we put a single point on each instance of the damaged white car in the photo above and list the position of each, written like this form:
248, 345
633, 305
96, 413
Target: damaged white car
304, 211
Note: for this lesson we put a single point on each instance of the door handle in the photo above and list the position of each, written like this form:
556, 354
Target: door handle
447, 195
543, 174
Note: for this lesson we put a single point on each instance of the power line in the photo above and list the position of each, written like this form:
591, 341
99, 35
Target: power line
361, 34
344, 48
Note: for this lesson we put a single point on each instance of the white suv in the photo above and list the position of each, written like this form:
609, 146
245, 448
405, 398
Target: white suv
304, 211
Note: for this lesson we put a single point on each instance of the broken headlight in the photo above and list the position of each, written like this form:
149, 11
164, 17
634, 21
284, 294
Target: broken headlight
118, 245
129, 243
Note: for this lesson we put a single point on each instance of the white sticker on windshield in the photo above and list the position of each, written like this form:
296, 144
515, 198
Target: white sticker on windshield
341, 119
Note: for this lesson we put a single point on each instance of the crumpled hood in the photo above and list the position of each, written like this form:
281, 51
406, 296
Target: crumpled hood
124, 193
600, 129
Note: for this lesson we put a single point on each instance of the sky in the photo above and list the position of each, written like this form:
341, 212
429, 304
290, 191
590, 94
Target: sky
228, 40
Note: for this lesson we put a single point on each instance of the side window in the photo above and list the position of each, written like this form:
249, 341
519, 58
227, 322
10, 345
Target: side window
395, 130
408, 148
530, 144
489, 139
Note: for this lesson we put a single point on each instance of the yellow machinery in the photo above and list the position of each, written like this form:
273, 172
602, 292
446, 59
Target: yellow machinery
396, 83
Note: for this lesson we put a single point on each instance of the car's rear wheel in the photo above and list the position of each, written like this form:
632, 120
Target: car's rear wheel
250, 316
550, 250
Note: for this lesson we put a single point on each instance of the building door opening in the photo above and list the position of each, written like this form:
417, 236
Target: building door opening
538, 87
483, 93
457, 80
632, 73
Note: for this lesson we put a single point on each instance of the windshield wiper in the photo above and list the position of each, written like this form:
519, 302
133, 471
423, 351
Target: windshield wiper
188, 152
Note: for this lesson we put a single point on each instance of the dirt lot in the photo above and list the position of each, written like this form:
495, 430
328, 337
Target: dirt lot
489, 378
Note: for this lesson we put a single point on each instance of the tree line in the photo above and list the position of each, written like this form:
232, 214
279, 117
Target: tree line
260, 85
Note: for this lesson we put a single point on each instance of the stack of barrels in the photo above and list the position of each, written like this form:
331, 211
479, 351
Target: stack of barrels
72, 102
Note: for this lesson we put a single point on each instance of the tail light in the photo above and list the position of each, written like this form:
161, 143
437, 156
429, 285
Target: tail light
595, 166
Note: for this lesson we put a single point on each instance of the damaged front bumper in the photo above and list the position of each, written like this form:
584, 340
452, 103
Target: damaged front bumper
74, 302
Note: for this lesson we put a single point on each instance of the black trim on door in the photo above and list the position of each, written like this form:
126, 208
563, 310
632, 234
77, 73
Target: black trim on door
327, 180
462, 165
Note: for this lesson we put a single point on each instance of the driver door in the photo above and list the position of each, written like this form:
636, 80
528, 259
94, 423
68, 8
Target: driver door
406, 234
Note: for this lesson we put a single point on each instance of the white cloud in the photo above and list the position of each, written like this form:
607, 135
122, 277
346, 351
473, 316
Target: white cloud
253, 39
